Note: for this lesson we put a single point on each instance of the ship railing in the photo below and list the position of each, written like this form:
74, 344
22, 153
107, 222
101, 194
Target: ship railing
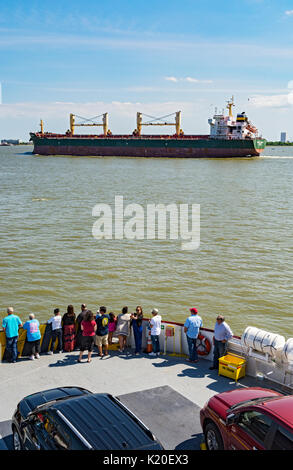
177, 345
123, 136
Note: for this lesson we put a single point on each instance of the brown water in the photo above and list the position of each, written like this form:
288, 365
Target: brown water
243, 268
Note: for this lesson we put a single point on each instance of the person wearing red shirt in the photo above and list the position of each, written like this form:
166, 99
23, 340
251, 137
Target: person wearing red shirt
88, 328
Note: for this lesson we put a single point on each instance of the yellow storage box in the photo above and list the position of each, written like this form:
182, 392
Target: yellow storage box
232, 366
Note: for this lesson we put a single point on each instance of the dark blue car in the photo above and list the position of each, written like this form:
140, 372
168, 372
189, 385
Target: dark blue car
72, 418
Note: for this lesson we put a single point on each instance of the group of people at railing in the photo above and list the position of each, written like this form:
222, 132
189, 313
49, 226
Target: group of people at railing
69, 332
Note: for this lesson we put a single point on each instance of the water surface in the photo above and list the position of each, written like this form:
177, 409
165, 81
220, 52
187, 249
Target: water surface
243, 268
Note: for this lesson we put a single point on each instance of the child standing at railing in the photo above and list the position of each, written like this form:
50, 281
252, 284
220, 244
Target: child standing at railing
112, 326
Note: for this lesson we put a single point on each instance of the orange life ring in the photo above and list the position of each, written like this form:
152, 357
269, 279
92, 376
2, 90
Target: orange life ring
203, 345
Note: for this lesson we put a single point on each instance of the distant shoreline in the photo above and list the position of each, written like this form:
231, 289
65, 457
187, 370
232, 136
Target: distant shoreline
15, 145
279, 144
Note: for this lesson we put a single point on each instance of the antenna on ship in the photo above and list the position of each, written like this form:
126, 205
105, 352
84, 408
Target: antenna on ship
230, 104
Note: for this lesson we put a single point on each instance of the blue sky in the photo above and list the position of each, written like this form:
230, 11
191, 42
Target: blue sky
123, 56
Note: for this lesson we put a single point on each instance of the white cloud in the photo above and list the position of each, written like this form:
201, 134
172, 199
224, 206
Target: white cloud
190, 79
273, 101
195, 80
171, 79
19, 119
152, 42
187, 79
57, 109
289, 12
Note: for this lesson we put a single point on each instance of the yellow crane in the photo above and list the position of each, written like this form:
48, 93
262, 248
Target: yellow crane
153, 122
90, 122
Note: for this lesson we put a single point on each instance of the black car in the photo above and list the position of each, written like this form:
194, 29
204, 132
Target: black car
72, 418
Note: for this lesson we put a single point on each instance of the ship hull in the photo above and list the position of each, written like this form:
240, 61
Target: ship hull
147, 147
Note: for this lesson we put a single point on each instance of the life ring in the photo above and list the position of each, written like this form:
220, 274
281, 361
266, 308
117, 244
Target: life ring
203, 345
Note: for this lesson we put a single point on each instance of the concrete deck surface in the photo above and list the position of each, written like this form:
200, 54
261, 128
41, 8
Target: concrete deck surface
185, 386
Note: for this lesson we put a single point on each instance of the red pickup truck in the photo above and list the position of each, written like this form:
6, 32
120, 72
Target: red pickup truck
248, 419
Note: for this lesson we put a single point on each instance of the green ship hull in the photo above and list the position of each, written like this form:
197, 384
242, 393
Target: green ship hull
146, 146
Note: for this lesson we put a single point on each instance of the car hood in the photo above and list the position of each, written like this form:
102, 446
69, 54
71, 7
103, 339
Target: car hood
222, 402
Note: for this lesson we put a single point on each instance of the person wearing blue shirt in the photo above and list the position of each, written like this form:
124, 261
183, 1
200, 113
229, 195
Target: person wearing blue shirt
102, 321
191, 329
33, 336
10, 325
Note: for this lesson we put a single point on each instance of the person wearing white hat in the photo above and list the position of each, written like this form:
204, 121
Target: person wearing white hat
155, 325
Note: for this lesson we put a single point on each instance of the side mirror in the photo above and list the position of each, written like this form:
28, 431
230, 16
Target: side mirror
231, 419
27, 421
24, 424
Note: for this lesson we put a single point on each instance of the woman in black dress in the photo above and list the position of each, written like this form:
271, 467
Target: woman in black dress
137, 319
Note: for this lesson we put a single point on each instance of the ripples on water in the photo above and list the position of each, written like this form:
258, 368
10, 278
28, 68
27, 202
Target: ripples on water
243, 268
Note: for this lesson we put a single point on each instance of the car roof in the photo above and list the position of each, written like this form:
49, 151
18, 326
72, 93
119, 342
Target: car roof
39, 399
105, 423
282, 408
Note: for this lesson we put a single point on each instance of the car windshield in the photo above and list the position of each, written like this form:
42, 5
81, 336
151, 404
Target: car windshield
252, 401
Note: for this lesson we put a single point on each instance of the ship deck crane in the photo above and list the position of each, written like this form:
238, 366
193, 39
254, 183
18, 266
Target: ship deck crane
153, 122
90, 122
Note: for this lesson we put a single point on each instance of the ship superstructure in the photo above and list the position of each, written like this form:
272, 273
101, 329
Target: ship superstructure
227, 127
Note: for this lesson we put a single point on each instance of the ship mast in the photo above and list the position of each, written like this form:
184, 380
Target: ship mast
230, 104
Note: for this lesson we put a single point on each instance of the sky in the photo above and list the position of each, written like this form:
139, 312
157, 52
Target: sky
155, 57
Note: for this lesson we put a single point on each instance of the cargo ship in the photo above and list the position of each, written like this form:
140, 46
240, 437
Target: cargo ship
229, 137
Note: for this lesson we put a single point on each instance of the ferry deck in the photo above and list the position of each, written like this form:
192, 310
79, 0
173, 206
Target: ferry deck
165, 392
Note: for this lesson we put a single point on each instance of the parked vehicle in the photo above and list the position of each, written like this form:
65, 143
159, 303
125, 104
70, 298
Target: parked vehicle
72, 418
248, 419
